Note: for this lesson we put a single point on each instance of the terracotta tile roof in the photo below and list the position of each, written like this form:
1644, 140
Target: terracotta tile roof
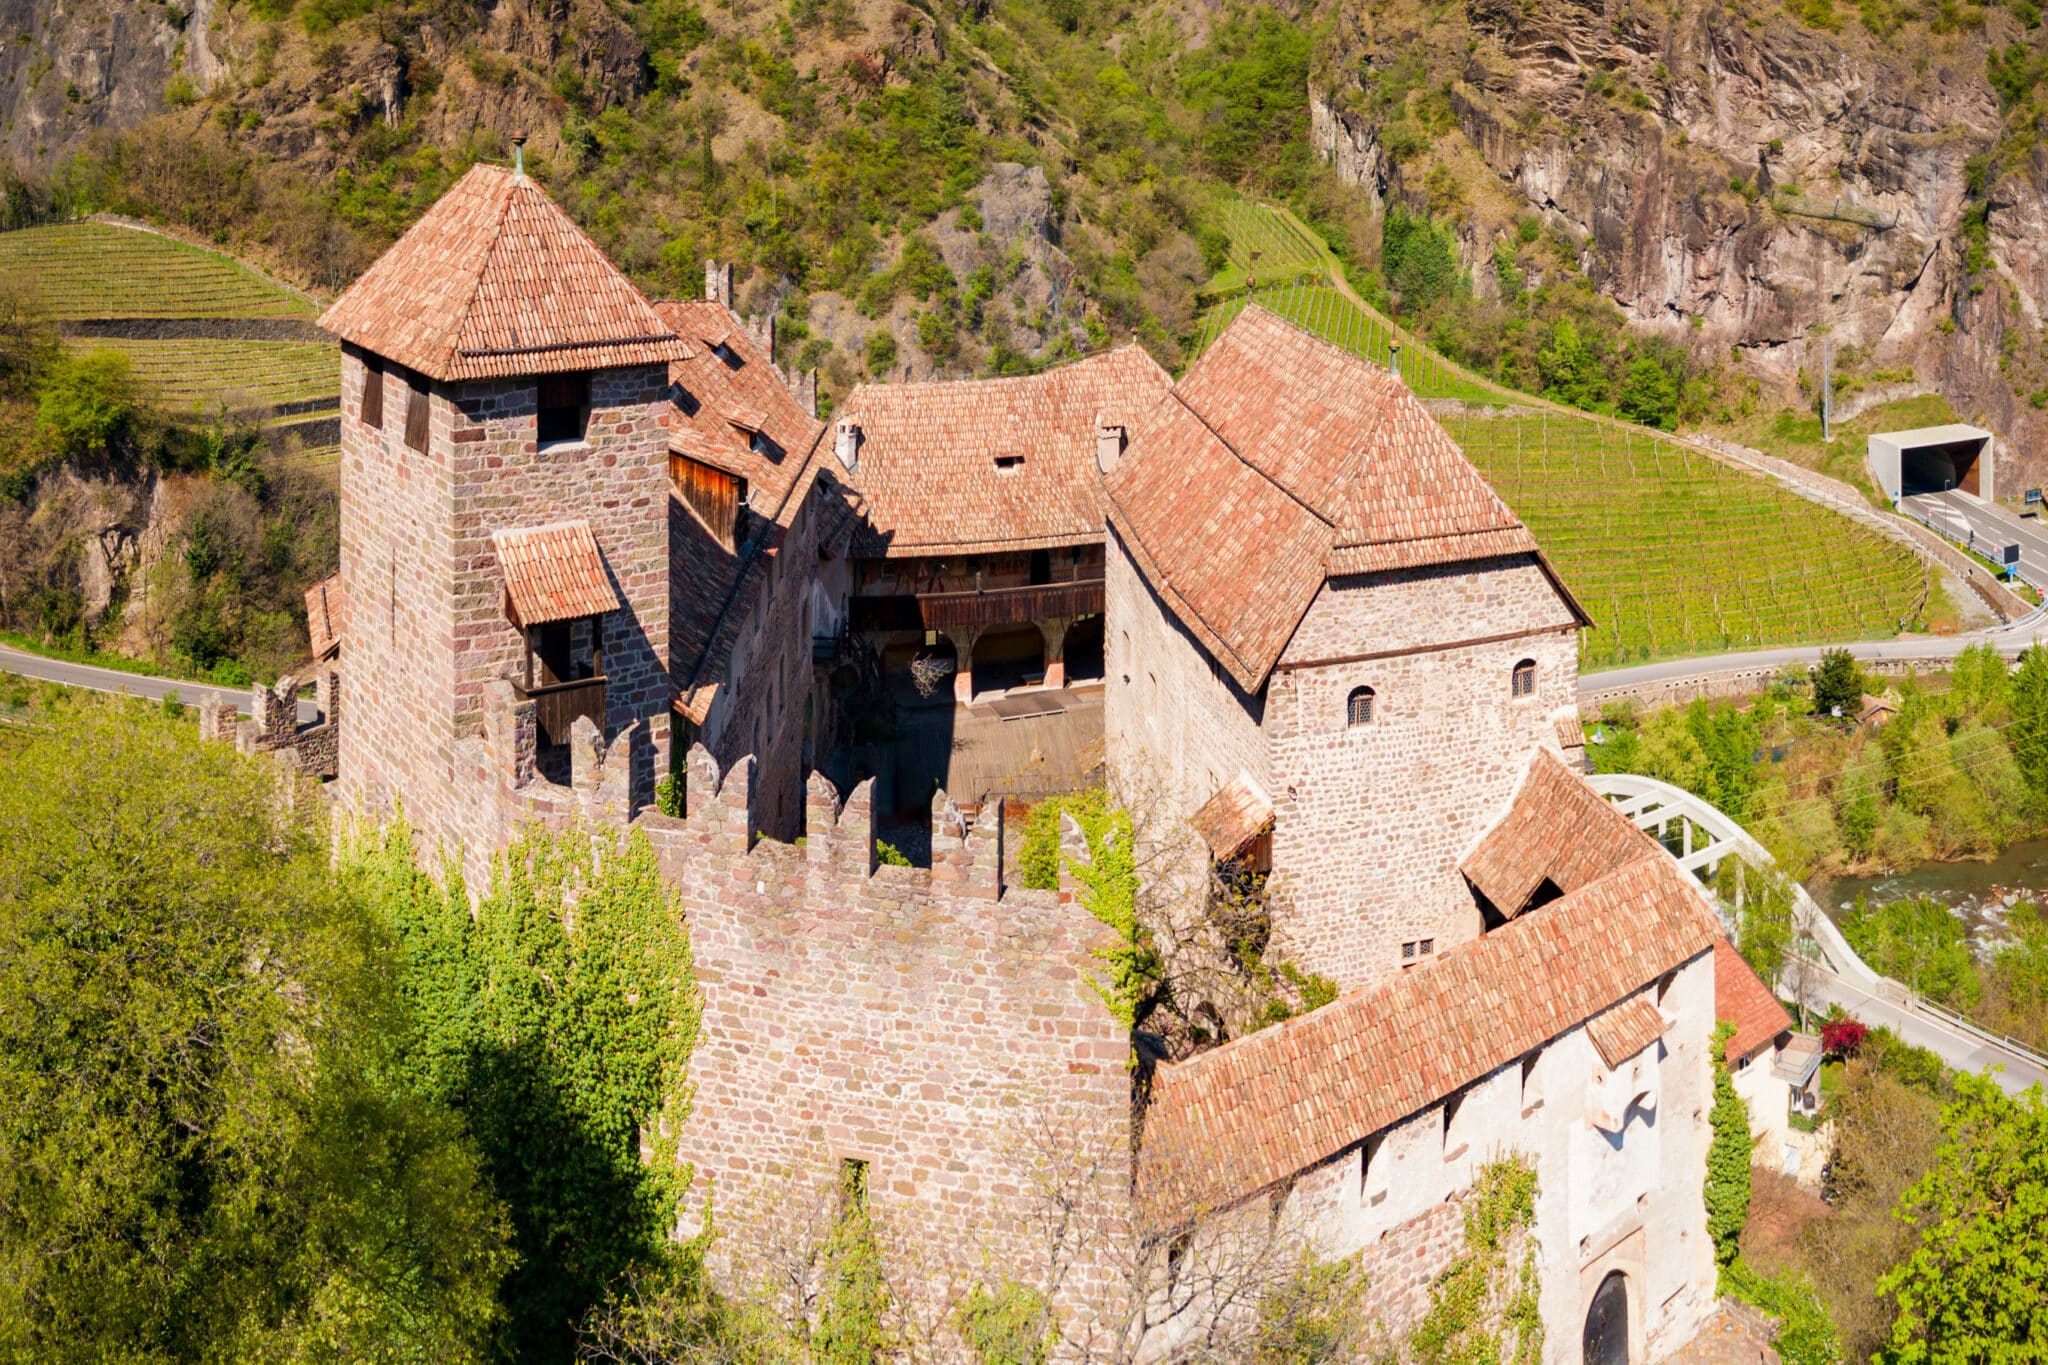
1230, 1122
927, 467
1571, 732
326, 616
1742, 999
720, 402
1284, 461
1237, 814
1628, 1028
495, 281
554, 573
1556, 829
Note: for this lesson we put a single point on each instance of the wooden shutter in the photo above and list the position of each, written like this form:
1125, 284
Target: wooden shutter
373, 393
712, 494
416, 415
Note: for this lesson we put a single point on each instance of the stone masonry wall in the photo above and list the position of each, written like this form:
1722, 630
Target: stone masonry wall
932, 1023
772, 724
1372, 820
428, 631
1177, 726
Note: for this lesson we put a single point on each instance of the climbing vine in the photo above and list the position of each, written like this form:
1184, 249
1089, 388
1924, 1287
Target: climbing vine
558, 1020
1727, 1189
1482, 1307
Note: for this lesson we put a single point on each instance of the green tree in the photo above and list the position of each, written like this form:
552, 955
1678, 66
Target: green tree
1727, 1190
1649, 394
562, 1041
1571, 369
1316, 1315
1858, 807
1976, 1286
854, 1305
1765, 924
1915, 940
86, 403
2029, 731
1980, 683
204, 1160
1838, 682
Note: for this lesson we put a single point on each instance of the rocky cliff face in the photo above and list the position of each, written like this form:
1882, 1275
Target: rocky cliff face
69, 67
1738, 178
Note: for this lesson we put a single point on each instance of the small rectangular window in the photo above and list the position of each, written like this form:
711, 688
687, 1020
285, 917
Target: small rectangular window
564, 407
1426, 947
372, 411
416, 414
1408, 951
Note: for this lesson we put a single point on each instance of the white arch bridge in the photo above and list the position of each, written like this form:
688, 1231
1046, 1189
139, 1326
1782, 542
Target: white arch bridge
1826, 969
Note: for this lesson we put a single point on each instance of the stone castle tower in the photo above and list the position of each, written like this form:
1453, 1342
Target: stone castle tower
503, 493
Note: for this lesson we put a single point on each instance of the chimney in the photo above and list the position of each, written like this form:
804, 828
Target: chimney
1109, 444
846, 443
718, 283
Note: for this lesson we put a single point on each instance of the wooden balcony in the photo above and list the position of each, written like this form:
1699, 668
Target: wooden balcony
1009, 606
556, 706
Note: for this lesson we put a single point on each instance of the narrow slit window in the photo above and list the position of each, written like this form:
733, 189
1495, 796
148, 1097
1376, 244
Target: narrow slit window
1524, 682
1372, 1171
564, 403
416, 414
1358, 708
1532, 1087
372, 411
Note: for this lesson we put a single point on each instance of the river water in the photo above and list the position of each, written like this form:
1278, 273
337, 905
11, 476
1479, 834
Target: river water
1978, 893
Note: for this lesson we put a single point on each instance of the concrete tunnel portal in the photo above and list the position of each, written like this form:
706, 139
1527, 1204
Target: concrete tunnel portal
1933, 460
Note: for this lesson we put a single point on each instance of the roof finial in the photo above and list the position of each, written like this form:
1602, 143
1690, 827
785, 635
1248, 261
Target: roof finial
519, 154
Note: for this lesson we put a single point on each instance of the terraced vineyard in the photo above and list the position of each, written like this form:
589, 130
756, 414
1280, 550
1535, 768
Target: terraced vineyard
97, 270
99, 273
1672, 553
196, 375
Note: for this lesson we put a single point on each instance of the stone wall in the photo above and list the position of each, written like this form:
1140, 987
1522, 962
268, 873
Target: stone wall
1177, 726
933, 1023
1627, 1200
772, 724
1372, 820
428, 632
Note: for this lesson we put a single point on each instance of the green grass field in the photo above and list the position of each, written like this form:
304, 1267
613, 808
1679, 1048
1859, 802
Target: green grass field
1672, 553
195, 375
96, 270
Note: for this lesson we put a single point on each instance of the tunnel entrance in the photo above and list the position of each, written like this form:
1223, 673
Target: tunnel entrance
1933, 460
1938, 468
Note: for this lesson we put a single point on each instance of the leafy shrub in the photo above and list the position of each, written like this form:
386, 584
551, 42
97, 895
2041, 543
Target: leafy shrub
1843, 1037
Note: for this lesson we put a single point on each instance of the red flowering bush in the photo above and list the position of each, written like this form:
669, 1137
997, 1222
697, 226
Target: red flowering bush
1842, 1037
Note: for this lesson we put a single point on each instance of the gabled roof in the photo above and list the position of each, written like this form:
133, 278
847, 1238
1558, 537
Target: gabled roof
1620, 1033
1557, 829
1261, 1108
493, 282
720, 402
1742, 999
1280, 461
553, 573
326, 616
928, 477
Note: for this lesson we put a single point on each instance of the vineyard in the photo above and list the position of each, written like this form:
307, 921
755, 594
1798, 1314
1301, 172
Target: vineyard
198, 375
96, 270
1672, 553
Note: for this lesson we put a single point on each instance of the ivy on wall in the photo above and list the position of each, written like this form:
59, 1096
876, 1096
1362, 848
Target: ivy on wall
1727, 1189
558, 1020
1485, 1304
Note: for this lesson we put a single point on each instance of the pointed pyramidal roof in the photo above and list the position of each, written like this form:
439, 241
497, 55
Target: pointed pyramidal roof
496, 281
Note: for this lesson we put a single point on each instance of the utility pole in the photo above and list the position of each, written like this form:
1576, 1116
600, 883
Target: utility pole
1827, 389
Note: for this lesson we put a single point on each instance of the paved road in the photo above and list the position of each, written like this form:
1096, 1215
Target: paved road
2010, 638
1957, 514
1962, 1051
134, 684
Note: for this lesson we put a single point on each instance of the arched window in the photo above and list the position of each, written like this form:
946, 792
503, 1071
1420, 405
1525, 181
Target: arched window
1524, 684
1358, 710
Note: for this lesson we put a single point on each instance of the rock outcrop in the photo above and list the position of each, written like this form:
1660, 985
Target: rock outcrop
1739, 178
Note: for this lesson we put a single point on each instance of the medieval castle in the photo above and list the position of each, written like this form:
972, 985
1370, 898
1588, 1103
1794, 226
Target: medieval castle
587, 539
